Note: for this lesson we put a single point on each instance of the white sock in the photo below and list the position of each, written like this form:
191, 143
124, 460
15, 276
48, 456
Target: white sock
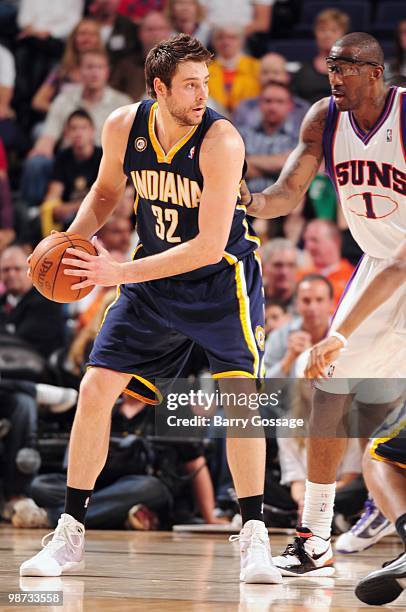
54, 396
319, 508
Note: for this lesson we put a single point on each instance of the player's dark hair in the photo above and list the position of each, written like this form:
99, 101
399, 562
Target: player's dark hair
81, 113
311, 278
162, 61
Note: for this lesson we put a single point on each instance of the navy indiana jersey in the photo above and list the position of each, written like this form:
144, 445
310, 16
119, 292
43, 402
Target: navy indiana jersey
168, 189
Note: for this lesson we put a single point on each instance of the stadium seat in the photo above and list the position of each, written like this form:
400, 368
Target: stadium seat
295, 50
388, 15
359, 12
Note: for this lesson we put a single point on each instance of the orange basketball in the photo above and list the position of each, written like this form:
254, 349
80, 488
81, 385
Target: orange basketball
47, 269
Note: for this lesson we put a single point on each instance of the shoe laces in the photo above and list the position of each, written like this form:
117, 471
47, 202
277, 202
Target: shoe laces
369, 509
296, 549
63, 533
254, 542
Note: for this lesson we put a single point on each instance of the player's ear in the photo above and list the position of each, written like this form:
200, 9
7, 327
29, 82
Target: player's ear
159, 86
377, 72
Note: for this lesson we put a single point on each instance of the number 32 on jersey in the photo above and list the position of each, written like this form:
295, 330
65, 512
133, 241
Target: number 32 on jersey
167, 220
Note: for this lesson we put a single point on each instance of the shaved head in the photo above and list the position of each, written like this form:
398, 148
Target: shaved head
362, 46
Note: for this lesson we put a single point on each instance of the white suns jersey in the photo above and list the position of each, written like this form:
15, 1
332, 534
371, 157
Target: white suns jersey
368, 172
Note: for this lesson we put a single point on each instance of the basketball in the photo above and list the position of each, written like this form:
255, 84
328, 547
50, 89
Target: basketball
47, 269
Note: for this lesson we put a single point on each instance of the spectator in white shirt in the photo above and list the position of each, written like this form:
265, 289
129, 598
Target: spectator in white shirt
251, 15
11, 133
7, 79
44, 18
93, 95
44, 26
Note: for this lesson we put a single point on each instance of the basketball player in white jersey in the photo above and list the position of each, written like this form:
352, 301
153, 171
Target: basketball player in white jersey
361, 134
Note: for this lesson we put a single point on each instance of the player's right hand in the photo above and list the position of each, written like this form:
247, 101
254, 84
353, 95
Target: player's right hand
322, 355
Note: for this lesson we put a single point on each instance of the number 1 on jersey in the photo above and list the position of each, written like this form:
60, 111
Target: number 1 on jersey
368, 203
172, 216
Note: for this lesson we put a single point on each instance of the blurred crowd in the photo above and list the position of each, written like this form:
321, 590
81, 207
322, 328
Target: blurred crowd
61, 74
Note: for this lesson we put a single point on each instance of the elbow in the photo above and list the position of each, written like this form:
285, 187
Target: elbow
210, 252
213, 258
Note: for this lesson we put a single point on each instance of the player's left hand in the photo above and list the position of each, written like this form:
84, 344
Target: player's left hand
322, 354
101, 269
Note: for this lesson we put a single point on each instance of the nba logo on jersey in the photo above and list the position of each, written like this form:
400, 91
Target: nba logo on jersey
192, 153
389, 135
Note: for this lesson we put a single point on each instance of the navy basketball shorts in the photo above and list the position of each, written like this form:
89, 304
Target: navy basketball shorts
151, 327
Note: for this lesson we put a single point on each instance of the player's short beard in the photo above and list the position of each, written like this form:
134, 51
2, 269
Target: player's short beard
180, 113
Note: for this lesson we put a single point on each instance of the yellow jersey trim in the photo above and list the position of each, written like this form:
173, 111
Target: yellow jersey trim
136, 201
162, 157
142, 398
249, 236
377, 441
232, 259
245, 317
138, 396
109, 306
259, 261
135, 251
233, 373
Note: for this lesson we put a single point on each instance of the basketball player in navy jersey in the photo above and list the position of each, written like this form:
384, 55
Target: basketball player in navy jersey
361, 134
194, 278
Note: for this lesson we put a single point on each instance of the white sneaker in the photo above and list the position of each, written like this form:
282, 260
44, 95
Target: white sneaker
62, 555
309, 555
371, 527
256, 557
26, 514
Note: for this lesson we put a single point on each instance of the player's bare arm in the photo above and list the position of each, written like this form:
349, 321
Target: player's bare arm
109, 186
378, 291
216, 211
299, 170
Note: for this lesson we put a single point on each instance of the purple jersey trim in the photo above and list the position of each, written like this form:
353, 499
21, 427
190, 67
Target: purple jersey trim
403, 121
346, 289
328, 139
365, 137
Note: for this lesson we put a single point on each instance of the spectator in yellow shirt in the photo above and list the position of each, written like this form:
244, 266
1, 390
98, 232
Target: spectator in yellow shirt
233, 74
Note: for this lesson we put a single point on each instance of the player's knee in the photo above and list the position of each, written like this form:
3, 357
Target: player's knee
100, 387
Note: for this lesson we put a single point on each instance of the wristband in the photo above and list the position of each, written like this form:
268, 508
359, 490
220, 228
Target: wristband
343, 339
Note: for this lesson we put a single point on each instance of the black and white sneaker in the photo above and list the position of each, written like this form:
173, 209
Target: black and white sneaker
309, 555
383, 585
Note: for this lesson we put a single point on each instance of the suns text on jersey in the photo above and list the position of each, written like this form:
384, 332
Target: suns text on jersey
166, 186
366, 172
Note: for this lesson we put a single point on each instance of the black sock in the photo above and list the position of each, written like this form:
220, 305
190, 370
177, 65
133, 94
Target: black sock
76, 503
401, 528
251, 508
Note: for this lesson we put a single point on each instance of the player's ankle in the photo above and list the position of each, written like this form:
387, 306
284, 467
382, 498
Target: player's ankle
76, 503
319, 508
252, 508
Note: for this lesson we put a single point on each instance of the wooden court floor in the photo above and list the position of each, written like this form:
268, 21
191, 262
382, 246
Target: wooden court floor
159, 571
